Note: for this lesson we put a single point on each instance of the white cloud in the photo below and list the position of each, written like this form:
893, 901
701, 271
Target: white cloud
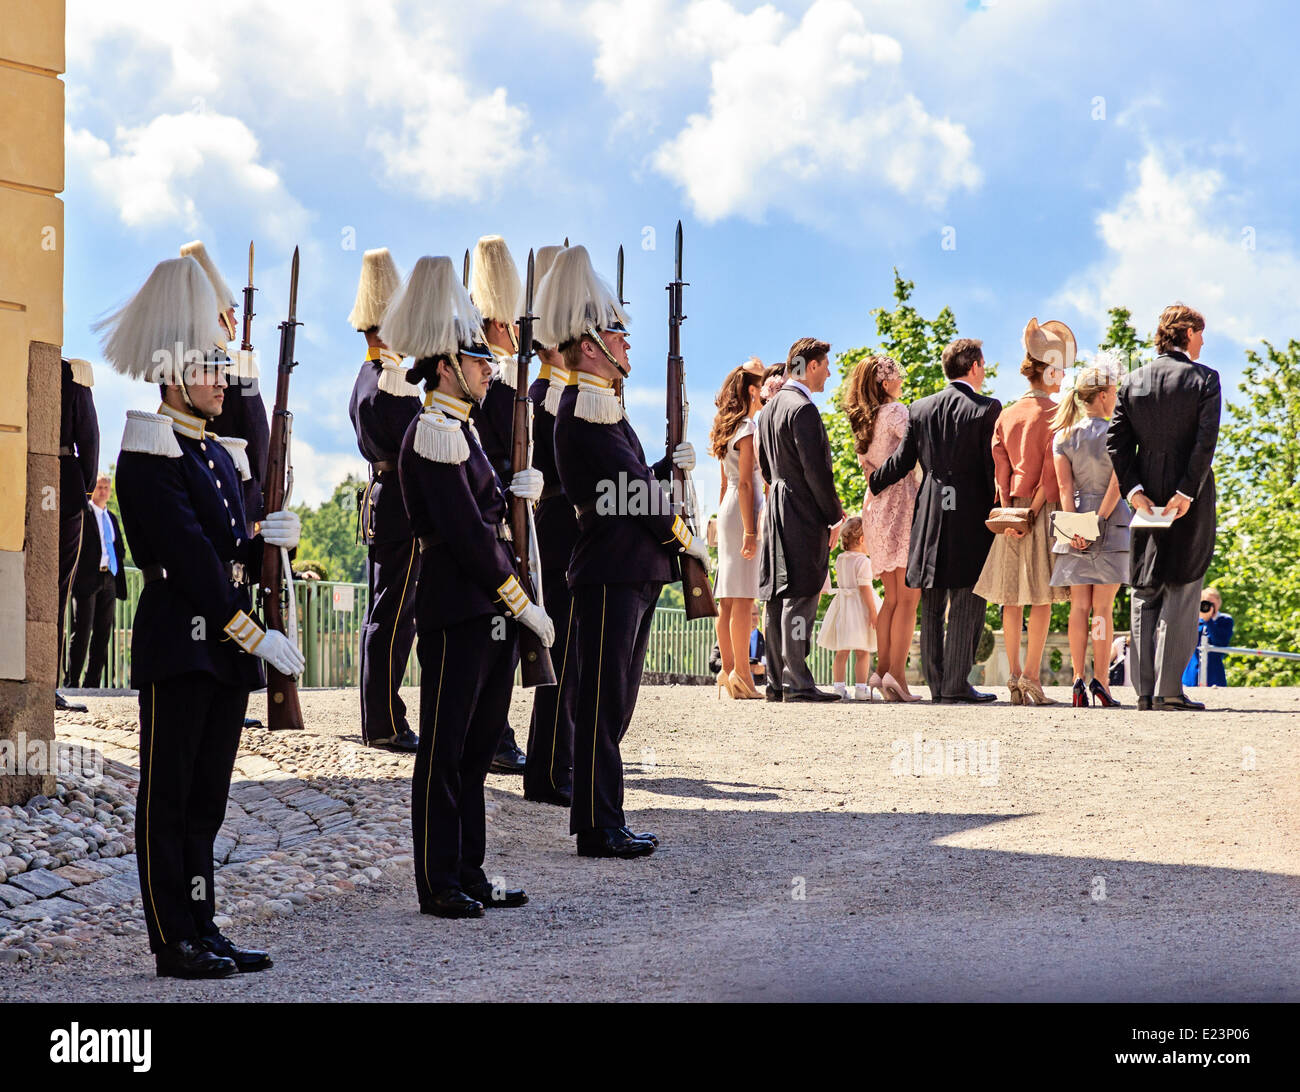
165, 171
390, 78
796, 113
316, 474
1177, 234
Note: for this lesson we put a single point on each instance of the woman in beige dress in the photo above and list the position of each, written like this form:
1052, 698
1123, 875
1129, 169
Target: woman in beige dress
1018, 571
732, 442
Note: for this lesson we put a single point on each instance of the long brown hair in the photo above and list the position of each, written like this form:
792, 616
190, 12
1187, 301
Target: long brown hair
865, 395
733, 405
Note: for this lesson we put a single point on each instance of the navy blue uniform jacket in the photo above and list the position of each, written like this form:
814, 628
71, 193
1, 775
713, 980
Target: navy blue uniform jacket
623, 540
381, 420
187, 515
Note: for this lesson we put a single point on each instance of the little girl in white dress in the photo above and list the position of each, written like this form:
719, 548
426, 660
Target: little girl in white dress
850, 621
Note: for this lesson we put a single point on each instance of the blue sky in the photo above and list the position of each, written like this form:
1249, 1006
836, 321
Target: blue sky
1080, 155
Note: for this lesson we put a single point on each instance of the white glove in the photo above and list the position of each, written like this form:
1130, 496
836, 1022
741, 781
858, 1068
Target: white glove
282, 528
684, 456
539, 622
527, 484
699, 548
280, 652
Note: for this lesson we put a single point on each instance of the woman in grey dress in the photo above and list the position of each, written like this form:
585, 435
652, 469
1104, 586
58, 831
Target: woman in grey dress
1093, 571
732, 442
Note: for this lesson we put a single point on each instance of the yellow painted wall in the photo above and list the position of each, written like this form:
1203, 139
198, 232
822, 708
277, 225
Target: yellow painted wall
31, 229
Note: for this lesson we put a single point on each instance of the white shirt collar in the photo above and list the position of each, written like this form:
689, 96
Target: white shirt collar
792, 382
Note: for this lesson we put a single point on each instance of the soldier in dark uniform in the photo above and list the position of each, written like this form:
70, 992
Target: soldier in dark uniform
243, 413
78, 469
627, 546
548, 773
383, 405
496, 291
196, 649
469, 600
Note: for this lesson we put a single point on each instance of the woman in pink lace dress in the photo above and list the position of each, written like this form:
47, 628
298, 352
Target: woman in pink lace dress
879, 423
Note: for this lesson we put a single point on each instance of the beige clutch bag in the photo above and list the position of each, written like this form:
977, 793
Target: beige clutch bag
1002, 520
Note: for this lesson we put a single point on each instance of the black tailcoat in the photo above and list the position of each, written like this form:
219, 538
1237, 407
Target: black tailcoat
1162, 437
951, 435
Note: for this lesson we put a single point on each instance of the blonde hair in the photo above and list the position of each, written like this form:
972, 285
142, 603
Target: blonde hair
1102, 374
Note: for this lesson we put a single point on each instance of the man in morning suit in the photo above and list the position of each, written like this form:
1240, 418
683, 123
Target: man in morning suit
794, 456
78, 464
1161, 442
951, 435
100, 581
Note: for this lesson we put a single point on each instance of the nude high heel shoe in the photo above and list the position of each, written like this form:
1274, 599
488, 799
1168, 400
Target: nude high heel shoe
873, 683
893, 690
724, 683
740, 689
1033, 692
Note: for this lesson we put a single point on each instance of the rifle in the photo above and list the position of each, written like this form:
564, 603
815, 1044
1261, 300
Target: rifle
464, 270
283, 710
696, 590
618, 383
246, 342
535, 667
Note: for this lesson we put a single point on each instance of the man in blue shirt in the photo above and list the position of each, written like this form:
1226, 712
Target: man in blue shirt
100, 581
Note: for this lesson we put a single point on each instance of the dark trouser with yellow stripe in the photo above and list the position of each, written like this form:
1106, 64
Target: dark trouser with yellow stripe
613, 631
386, 637
189, 735
466, 674
550, 734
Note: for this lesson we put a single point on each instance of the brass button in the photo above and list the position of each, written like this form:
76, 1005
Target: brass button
211, 465
203, 446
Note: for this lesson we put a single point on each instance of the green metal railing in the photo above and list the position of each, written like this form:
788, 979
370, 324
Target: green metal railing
330, 615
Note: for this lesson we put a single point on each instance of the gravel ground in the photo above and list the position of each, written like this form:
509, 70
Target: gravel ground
808, 853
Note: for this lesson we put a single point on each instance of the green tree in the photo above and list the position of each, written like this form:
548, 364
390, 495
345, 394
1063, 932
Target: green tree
1258, 471
916, 343
1122, 336
329, 535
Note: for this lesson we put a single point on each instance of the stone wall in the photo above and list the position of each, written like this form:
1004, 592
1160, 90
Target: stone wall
31, 333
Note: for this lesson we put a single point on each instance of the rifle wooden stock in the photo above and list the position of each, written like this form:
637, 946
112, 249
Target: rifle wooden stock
535, 667
282, 707
697, 591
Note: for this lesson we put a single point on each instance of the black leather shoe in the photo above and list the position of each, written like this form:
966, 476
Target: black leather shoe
612, 842
812, 695
405, 742
253, 722
514, 896
190, 959
647, 836
971, 697
246, 959
1144, 703
452, 903
60, 702
1181, 702
773, 693
557, 797
509, 760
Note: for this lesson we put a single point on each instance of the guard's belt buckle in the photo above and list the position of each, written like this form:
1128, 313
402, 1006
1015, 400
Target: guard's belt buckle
238, 573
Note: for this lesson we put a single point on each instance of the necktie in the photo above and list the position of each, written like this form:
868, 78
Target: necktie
108, 542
